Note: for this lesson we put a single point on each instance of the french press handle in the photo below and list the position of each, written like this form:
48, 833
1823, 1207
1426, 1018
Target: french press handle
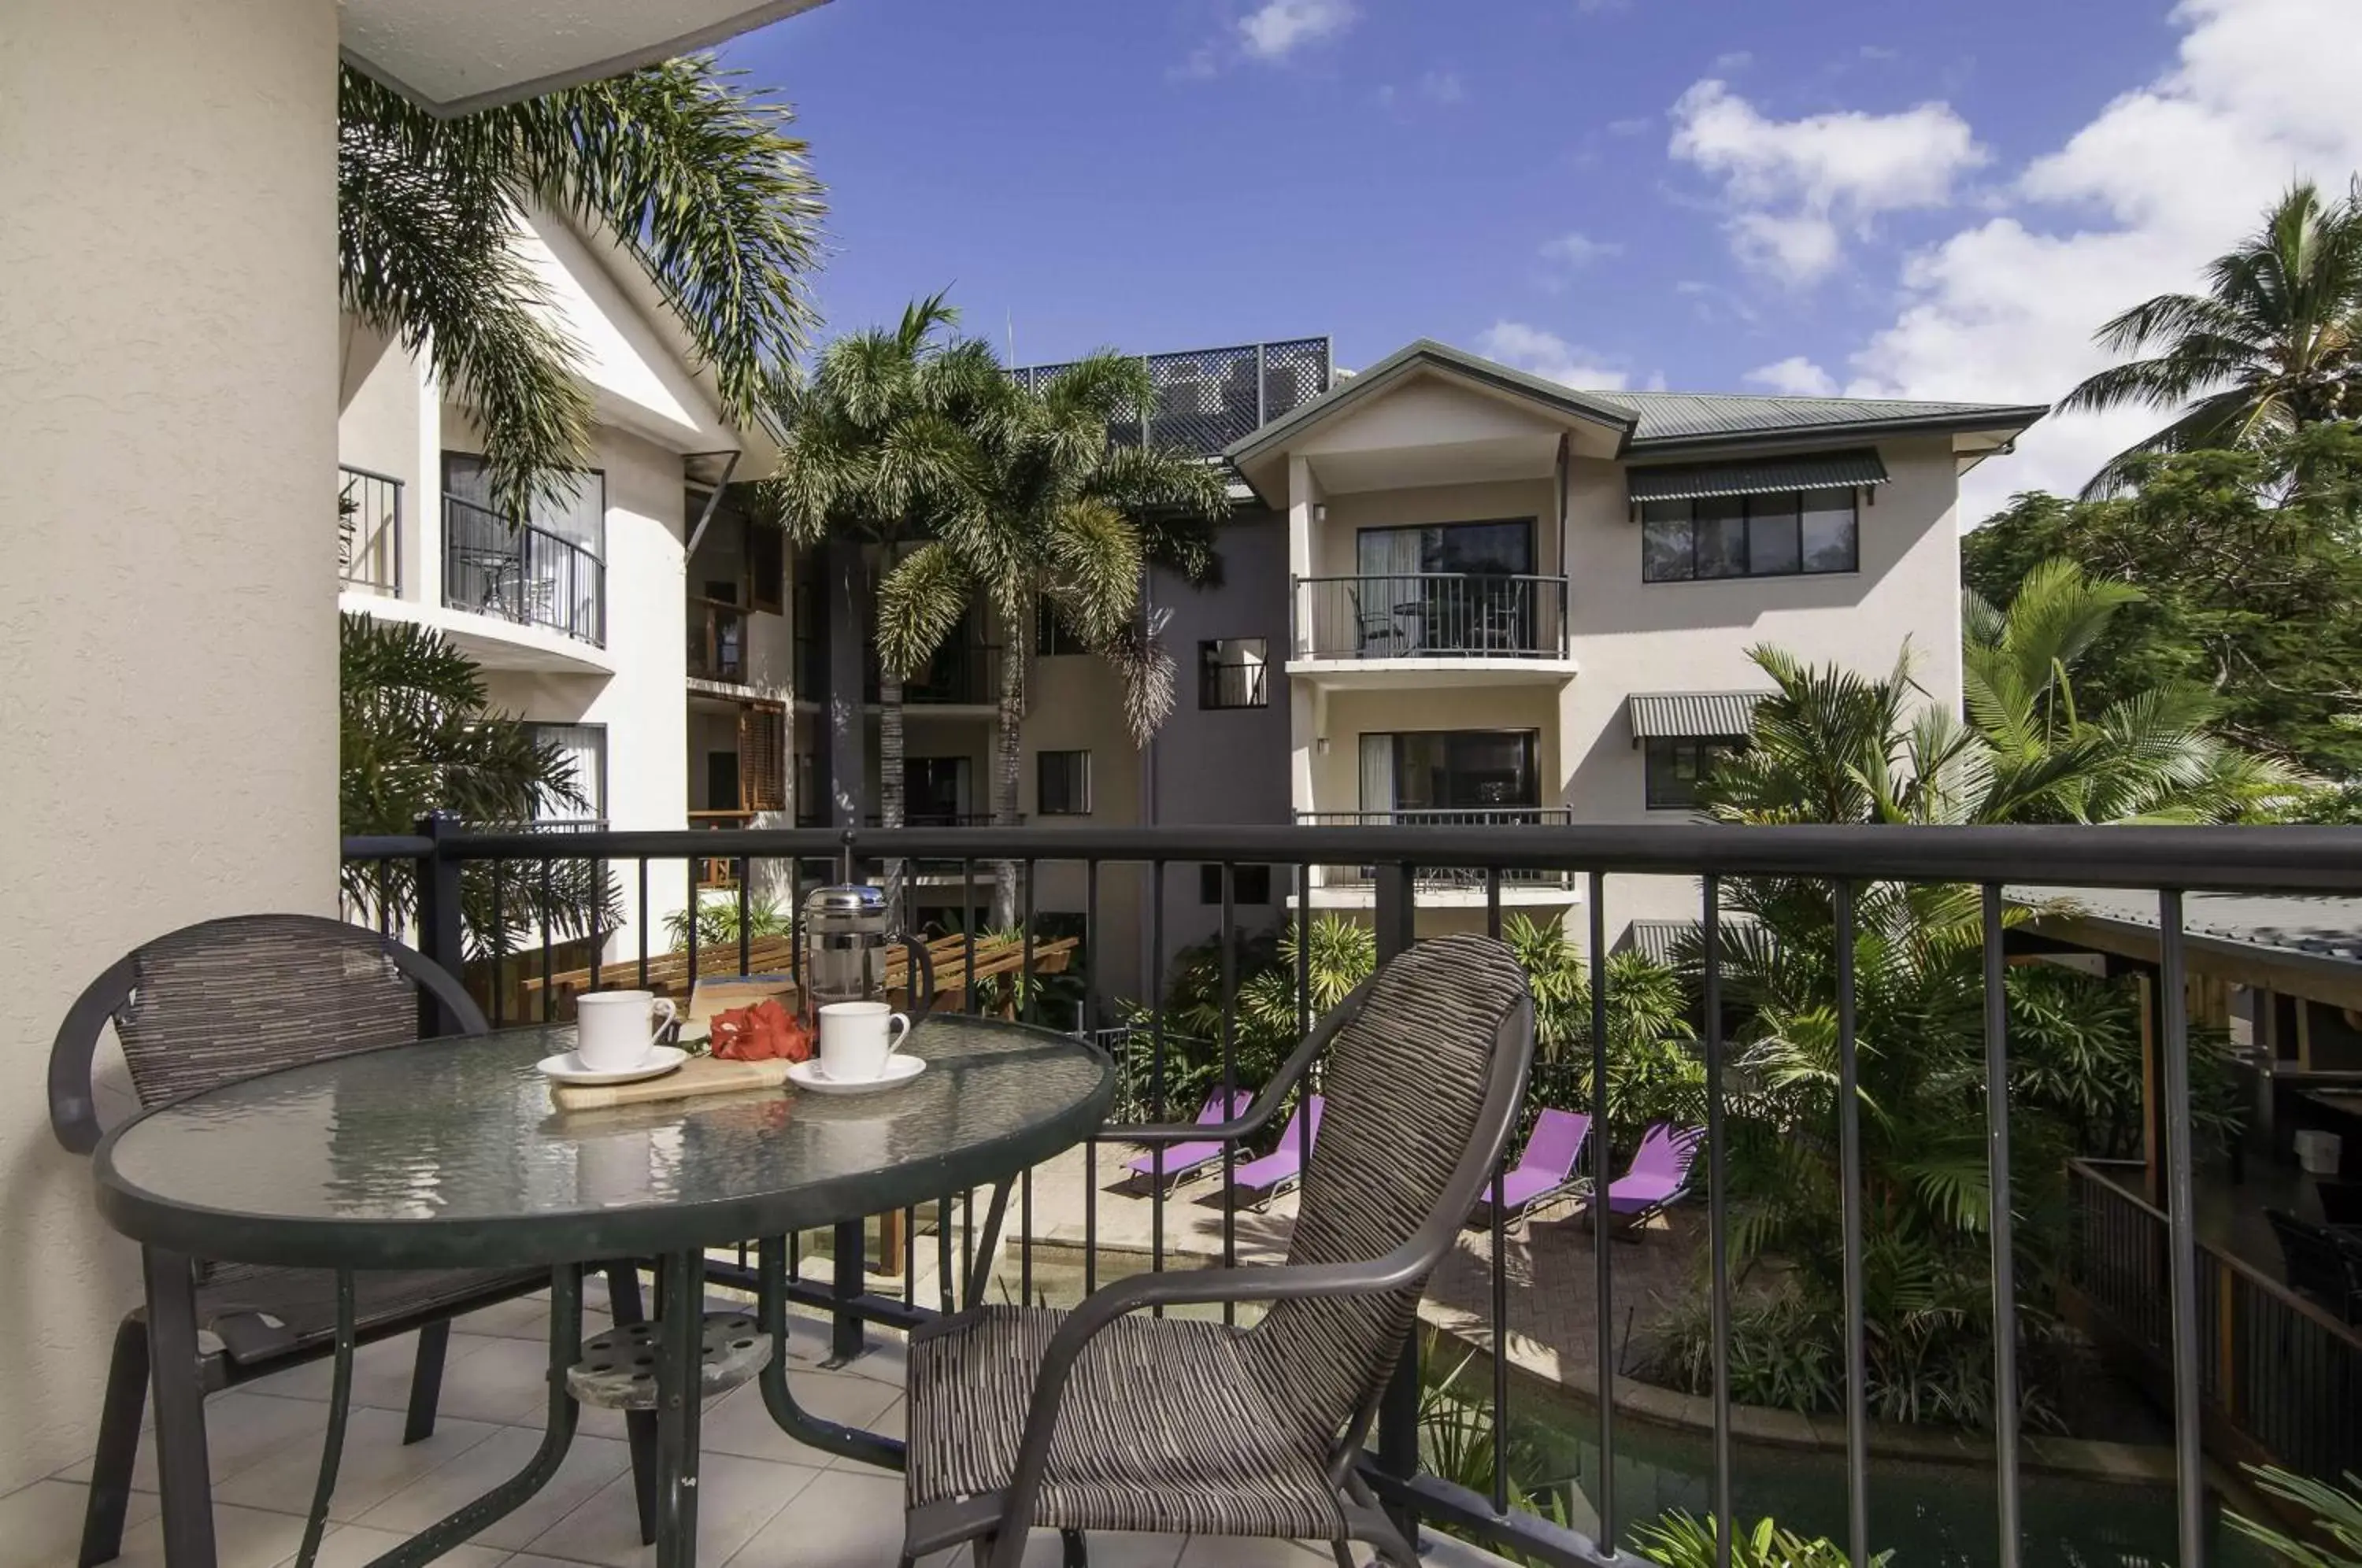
920, 979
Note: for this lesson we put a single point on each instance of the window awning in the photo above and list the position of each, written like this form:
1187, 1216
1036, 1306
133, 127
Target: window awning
1692, 715
1664, 940
1757, 476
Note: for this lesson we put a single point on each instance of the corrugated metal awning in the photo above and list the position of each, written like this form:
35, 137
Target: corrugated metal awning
1694, 715
1664, 940
1757, 476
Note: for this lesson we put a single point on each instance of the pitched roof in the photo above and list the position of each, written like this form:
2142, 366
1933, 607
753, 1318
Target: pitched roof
1757, 476
1679, 418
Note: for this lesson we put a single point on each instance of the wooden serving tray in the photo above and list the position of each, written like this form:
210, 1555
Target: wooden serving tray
698, 1076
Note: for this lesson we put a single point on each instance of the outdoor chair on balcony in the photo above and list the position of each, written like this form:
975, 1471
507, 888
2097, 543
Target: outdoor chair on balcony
1377, 634
1544, 1173
1658, 1177
1178, 1163
1108, 1419
226, 1000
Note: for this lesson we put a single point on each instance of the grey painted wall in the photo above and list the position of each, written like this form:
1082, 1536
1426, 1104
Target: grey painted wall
1223, 765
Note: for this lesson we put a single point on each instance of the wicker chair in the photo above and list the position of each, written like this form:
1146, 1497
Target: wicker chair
210, 1004
1105, 1418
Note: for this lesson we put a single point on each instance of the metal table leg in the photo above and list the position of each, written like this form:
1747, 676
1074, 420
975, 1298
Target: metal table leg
181, 1471
680, 1361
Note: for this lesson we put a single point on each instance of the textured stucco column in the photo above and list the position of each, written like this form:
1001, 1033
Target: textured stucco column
168, 412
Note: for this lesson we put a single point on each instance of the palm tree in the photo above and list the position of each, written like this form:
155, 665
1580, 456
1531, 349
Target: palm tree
871, 451
1049, 513
415, 736
694, 175
2274, 343
1834, 745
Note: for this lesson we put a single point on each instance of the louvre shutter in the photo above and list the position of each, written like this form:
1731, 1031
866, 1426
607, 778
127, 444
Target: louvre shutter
762, 759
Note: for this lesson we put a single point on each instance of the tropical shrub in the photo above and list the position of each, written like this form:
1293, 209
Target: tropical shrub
1684, 1541
718, 923
2336, 1519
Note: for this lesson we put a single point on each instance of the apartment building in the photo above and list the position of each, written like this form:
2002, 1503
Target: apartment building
574, 613
1456, 593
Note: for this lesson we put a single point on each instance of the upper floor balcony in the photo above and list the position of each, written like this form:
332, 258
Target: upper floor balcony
521, 572
958, 675
717, 640
369, 531
1207, 398
1430, 629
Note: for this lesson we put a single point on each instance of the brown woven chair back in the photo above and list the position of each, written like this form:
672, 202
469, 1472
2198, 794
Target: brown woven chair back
1403, 1083
228, 999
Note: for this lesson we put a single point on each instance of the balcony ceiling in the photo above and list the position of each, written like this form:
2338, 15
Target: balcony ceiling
453, 56
1533, 457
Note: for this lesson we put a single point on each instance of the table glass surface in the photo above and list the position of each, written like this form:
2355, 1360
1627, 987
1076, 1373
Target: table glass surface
454, 1131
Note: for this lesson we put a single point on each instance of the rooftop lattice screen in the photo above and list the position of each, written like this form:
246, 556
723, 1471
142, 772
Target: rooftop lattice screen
1207, 398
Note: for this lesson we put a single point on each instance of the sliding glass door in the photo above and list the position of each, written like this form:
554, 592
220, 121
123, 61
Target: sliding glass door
1446, 588
1447, 775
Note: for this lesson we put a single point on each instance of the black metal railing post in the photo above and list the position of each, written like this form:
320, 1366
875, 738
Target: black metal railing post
440, 934
1396, 919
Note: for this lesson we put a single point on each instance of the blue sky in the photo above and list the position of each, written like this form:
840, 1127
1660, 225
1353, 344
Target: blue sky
1725, 195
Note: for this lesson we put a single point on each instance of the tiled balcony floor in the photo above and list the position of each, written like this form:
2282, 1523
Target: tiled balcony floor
765, 1500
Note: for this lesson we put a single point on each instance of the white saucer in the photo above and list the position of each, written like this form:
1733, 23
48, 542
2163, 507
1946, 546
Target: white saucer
899, 1069
568, 1068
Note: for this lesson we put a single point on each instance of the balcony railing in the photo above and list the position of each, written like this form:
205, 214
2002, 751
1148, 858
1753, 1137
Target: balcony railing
516, 572
2291, 1369
717, 640
1207, 398
369, 530
1442, 878
1430, 615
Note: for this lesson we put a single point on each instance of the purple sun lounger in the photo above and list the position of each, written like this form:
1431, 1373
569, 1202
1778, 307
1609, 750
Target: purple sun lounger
1658, 1177
1181, 1161
1283, 1167
1545, 1171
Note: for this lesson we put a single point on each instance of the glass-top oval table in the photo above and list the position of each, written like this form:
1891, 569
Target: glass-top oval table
448, 1153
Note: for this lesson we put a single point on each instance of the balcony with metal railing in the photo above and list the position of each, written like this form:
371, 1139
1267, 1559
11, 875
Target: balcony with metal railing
520, 572
717, 640
369, 531
1518, 1451
1352, 886
1430, 629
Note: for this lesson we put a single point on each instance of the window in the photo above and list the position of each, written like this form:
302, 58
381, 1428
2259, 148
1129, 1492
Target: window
934, 791
1230, 674
579, 518
1482, 549
584, 747
1785, 534
1063, 787
1249, 884
1455, 774
1052, 636
767, 568
1676, 767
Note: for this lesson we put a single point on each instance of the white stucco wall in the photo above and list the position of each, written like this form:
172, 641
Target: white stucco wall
168, 391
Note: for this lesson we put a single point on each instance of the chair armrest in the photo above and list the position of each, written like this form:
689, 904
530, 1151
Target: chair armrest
1266, 1102
73, 1100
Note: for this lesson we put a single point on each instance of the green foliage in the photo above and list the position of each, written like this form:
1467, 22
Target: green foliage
1830, 745
718, 923
2246, 568
2336, 1519
1680, 1540
692, 173
415, 736
2273, 345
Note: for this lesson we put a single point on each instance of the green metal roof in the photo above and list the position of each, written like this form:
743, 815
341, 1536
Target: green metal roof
1672, 418
1692, 715
1757, 476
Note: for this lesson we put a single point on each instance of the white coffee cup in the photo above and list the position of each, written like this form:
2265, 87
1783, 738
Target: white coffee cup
857, 1037
614, 1030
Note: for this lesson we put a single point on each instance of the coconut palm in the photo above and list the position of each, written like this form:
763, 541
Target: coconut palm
2273, 344
692, 174
872, 445
415, 736
1050, 513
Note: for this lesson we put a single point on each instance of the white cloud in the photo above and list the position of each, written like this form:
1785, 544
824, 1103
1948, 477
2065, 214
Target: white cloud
1278, 27
1794, 376
1797, 187
1574, 252
1548, 354
2133, 204
1441, 87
